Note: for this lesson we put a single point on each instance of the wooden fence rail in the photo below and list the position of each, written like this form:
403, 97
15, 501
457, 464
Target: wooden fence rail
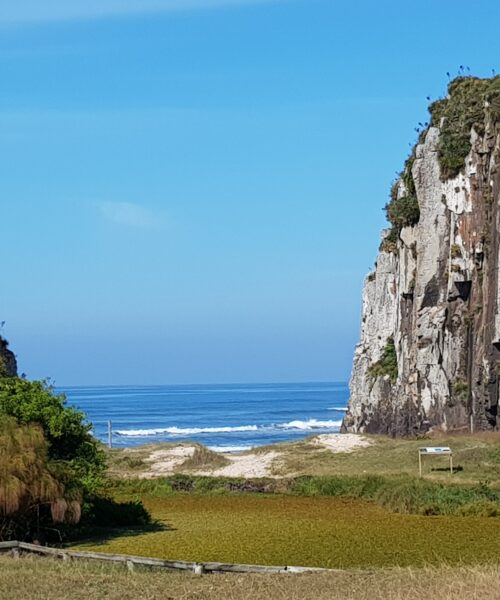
131, 561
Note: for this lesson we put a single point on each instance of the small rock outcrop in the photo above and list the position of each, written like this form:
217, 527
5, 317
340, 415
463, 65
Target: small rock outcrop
429, 353
8, 363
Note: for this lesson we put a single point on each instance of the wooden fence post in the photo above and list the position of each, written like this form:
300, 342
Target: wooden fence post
110, 434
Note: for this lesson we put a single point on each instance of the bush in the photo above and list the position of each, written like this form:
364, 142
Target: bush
387, 365
401, 211
74, 466
65, 429
102, 511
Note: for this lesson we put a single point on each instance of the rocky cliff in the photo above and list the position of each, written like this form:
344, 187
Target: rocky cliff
8, 364
429, 353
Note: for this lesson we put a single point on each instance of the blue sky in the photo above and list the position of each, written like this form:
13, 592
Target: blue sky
191, 191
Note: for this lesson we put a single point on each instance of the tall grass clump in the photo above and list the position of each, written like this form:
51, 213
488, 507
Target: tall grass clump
34, 491
204, 458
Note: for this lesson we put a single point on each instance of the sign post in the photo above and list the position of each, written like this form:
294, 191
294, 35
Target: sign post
434, 451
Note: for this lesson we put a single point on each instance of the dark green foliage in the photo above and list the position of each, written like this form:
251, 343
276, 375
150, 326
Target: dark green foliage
7, 369
460, 389
339, 486
195, 484
102, 511
401, 212
388, 364
456, 115
66, 431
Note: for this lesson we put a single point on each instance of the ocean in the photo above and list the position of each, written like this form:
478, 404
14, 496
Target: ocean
226, 418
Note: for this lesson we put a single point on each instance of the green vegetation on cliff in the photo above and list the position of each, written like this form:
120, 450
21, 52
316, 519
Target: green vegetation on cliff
459, 113
456, 115
8, 367
388, 364
401, 211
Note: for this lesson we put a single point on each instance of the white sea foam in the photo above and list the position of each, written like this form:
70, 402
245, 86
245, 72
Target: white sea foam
338, 409
310, 424
230, 448
184, 430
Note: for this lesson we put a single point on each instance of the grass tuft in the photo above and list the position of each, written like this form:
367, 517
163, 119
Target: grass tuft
204, 458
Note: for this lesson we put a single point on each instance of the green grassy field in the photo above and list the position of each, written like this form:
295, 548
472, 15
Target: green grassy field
314, 531
365, 512
325, 509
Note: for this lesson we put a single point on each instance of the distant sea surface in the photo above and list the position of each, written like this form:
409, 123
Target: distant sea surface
226, 418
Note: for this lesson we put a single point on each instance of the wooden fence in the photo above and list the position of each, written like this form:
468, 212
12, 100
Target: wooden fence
16, 548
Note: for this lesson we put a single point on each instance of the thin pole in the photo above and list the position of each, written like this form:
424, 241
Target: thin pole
110, 434
451, 464
420, 463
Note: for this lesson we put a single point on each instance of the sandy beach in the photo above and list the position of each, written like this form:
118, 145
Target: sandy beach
258, 462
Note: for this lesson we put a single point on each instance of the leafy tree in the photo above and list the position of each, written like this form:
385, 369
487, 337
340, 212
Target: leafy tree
67, 433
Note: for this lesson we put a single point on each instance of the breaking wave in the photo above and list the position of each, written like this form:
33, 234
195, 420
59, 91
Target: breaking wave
184, 431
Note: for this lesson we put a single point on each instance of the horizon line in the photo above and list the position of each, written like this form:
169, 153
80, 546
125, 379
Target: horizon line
233, 383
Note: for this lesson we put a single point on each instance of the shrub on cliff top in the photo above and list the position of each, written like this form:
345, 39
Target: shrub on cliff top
456, 115
4, 354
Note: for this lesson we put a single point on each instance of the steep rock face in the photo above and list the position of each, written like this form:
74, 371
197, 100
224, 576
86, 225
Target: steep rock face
429, 353
8, 364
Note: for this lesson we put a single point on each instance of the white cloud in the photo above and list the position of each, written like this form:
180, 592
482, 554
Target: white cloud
132, 215
32, 11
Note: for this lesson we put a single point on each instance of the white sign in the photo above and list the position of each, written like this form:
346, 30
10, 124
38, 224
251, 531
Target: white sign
435, 450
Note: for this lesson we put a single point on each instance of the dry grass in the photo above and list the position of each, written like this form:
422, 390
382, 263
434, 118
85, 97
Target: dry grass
46, 579
202, 459
476, 458
128, 462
